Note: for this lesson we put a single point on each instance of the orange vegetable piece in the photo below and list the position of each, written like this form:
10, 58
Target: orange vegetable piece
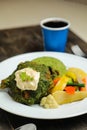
82, 89
70, 89
56, 80
84, 80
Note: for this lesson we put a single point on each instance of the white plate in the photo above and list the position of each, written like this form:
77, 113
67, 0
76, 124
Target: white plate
35, 111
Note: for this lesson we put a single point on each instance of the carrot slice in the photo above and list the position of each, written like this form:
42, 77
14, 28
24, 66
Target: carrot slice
56, 80
83, 89
70, 89
84, 80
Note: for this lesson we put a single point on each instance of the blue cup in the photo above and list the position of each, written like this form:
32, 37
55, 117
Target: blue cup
55, 33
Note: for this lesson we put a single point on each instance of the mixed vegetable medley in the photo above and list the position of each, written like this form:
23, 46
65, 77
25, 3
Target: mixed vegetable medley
46, 81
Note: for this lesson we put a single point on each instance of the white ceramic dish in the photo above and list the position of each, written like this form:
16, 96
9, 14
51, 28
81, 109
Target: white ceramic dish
35, 111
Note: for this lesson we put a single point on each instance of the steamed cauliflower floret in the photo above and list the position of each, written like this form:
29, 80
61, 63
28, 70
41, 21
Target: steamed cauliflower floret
48, 102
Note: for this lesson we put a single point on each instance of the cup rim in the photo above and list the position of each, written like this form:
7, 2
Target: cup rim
53, 19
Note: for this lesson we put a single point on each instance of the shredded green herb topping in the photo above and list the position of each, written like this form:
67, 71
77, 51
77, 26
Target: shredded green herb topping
25, 77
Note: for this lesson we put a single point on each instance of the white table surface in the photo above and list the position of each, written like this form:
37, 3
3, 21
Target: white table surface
20, 13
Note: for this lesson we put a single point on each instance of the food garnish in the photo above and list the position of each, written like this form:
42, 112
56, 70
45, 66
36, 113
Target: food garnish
25, 77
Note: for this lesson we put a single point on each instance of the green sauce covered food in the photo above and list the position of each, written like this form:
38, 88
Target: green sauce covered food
32, 80
55, 63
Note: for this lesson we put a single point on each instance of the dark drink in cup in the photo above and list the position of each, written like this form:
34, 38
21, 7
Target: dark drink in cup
55, 33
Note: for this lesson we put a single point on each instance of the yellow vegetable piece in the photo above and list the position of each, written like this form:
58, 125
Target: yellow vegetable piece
79, 72
71, 75
62, 97
61, 84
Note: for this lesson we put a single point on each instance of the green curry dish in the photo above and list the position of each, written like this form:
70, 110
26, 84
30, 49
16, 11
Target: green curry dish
30, 97
55, 63
25, 77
